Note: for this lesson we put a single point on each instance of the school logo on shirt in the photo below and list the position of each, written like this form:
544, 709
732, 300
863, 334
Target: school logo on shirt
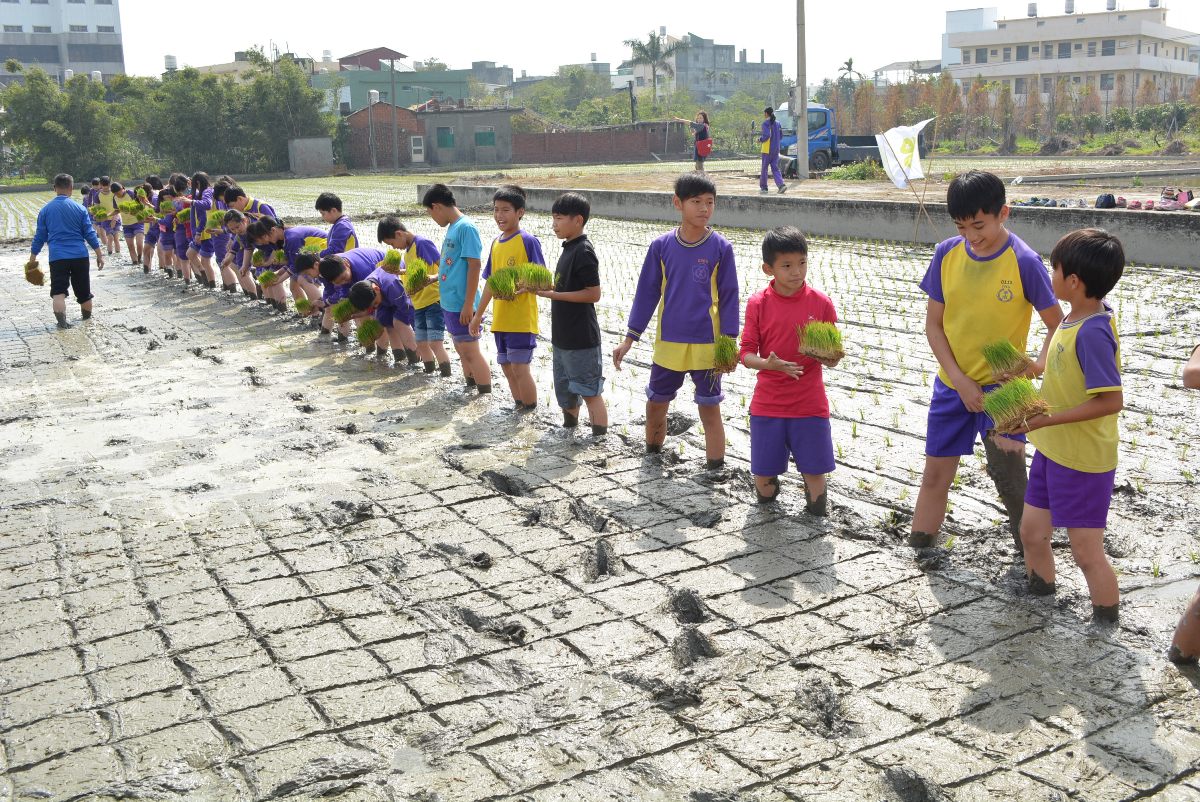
512, 261
1006, 292
700, 271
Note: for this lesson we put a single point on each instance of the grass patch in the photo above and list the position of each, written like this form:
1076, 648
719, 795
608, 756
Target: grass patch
868, 170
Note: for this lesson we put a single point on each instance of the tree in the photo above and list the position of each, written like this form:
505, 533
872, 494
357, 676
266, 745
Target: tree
1122, 92
1034, 110
1147, 94
656, 54
864, 108
431, 64
13, 67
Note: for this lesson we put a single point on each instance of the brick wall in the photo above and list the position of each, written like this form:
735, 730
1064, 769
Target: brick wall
608, 145
358, 151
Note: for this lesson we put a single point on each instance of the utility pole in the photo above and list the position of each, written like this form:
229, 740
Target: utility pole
800, 97
395, 135
632, 103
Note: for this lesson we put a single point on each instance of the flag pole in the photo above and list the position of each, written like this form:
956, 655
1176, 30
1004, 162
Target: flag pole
932, 157
920, 200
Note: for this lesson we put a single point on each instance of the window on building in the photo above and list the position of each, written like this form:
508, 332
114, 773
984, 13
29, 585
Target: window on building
1080, 20
106, 29
1022, 52
1091, 49
1020, 87
78, 29
13, 29
981, 55
995, 52
445, 137
485, 136
1036, 50
80, 2
9, 1
104, 2
1108, 47
1064, 49
966, 57
41, 29
1079, 45
1008, 54
1156, 48
1075, 79
1047, 84
1048, 50
39, 2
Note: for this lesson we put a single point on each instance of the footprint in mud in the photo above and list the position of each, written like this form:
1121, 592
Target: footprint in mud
692, 645
257, 381
380, 444
507, 485
597, 520
307, 409
687, 606
600, 562
153, 345
512, 631
705, 519
669, 695
482, 560
349, 428
910, 786
138, 329
821, 707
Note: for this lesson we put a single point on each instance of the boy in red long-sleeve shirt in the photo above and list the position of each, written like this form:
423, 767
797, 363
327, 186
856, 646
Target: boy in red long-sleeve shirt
789, 412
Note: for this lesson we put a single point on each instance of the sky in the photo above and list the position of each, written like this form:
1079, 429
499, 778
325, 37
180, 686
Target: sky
539, 35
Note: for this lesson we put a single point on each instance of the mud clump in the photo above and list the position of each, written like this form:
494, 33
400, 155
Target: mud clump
505, 485
910, 786
692, 645
512, 631
932, 558
199, 487
706, 519
153, 345
482, 560
667, 695
821, 708
687, 606
199, 354
307, 409
600, 562
351, 511
349, 428
678, 423
296, 396
138, 329
597, 520
380, 445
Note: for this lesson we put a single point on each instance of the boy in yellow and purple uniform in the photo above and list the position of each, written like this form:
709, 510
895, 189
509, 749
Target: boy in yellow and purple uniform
515, 322
429, 325
1071, 478
341, 236
983, 286
109, 226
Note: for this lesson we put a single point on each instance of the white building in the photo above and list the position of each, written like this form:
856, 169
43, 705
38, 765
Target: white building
83, 36
1105, 49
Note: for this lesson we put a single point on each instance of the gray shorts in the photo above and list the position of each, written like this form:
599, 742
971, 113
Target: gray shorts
578, 374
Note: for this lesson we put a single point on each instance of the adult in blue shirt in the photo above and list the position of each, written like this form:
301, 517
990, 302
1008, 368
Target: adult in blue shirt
64, 225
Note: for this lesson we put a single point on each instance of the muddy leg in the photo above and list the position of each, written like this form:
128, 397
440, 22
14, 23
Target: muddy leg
1036, 530
816, 498
931, 500
1185, 646
1006, 466
766, 488
1087, 547
714, 433
656, 425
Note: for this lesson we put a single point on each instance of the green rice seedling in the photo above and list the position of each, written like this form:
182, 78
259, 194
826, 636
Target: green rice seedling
503, 283
140, 194
1012, 404
258, 258
821, 341
129, 207
391, 261
1005, 360
99, 212
416, 275
532, 278
279, 257
368, 331
343, 310
215, 219
166, 207
303, 306
725, 354
315, 250
266, 277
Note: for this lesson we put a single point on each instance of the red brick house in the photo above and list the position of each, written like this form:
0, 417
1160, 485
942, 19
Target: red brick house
410, 136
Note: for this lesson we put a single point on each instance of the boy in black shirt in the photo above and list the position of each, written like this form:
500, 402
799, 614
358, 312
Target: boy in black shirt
574, 329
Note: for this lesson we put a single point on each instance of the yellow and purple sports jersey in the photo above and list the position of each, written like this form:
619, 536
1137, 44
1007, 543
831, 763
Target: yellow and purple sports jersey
693, 287
986, 300
362, 263
127, 219
198, 214
341, 237
257, 210
519, 315
424, 249
1084, 359
298, 237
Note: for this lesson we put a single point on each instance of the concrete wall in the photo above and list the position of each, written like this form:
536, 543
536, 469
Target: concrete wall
310, 155
1170, 239
464, 123
621, 144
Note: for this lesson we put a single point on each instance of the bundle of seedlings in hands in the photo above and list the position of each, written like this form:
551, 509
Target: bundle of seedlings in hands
368, 332
33, 273
258, 259
821, 341
725, 354
266, 277
304, 306
343, 310
416, 276
99, 212
315, 250
1011, 405
391, 261
503, 283
215, 219
166, 207
533, 278
129, 207
140, 194
1006, 361
279, 257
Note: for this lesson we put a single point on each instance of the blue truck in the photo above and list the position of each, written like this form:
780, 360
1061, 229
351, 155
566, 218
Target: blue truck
826, 148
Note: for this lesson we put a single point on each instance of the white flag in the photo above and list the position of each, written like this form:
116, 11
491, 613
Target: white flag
900, 155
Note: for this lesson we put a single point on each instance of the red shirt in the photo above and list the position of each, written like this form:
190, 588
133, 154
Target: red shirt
772, 324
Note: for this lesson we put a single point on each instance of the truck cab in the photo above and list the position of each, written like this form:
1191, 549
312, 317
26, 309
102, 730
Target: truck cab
822, 137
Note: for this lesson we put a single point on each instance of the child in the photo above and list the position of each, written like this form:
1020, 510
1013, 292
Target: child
337, 276
574, 329
458, 278
1071, 477
132, 229
220, 237
789, 413
108, 227
237, 258
515, 322
183, 235
166, 233
150, 241
429, 326
689, 276
983, 286
382, 294
255, 210
269, 232
1185, 646
341, 235
200, 245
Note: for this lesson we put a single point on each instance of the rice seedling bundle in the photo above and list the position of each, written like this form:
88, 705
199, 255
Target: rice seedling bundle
1005, 360
391, 261
416, 276
215, 219
821, 340
99, 212
532, 278
129, 207
1012, 404
343, 310
279, 257
258, 258
368, 331
33, 273
503, 283
166, 207
725, 354
303, 306
266, 277
140, 194
315, 250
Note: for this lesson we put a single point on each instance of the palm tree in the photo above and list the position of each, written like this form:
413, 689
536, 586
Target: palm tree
847, 71
656, 54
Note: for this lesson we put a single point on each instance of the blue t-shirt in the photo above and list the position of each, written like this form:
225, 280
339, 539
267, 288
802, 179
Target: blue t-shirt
65, 226
462, 242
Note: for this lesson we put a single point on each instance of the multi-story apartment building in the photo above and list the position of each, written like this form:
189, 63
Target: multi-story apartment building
83, 36
1114, 51
707, 70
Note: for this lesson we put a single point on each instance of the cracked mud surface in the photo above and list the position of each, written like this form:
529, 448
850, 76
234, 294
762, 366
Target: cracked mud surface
217, 585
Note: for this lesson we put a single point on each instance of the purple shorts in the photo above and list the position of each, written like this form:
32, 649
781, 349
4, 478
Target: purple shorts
391, 315
132, 231
952, 428
458, 332
181, 242
514, 347
808, 441
203, 247
1076, 500
665, 383
220, 245
152, 234
166, 241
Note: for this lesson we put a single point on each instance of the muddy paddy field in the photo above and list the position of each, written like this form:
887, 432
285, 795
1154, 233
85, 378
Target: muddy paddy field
239, 563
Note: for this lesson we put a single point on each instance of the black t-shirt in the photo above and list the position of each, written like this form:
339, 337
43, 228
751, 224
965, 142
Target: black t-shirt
572, 325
